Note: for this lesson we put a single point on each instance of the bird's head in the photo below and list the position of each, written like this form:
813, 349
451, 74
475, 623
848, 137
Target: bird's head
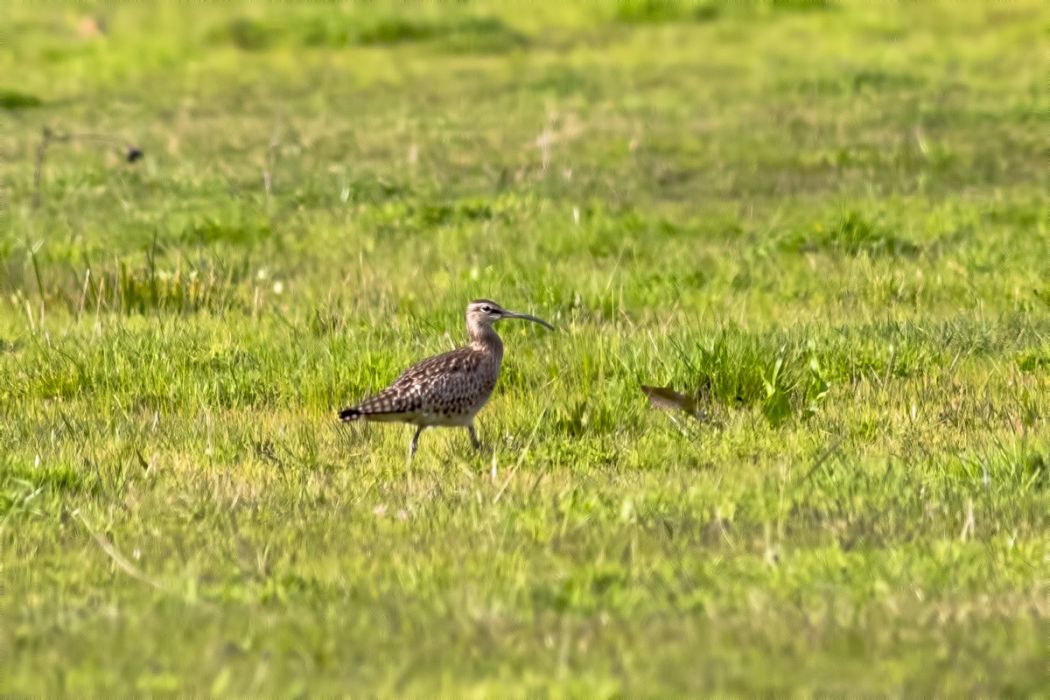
484, 312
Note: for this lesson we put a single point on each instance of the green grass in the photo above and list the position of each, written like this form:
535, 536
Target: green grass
825, 223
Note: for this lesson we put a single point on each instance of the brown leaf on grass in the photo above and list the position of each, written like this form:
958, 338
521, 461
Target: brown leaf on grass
91, 27
668, 398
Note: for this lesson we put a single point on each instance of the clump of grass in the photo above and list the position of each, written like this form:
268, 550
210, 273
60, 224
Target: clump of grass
148, 288
743, 370
126, 288
874, 80
789, 374
327, 320
395, 30
247, 34
851, 234
60, 478
210, 230
457, 33
16, 99
653, 11
657, 11
1034, 360
445, 213
803, 5
482, 35
1035, 468
413, 214
181, 289
366, 188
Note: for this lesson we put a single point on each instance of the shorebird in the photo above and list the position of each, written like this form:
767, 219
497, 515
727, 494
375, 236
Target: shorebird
447, 389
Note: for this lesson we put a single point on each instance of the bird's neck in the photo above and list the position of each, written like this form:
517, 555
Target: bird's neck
485, 339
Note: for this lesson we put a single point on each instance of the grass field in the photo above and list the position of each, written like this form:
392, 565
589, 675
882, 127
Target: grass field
824, 222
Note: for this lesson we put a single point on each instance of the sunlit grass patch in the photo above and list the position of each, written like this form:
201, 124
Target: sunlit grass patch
814, 231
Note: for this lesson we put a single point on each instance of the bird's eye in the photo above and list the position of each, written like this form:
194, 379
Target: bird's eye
486, 309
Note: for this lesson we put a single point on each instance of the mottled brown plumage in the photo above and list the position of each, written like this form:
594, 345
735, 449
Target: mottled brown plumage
447, 389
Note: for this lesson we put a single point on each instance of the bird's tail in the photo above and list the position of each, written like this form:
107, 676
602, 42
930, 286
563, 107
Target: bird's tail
387, 405
350, 414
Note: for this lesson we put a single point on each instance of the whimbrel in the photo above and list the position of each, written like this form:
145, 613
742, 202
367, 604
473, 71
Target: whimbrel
447, 389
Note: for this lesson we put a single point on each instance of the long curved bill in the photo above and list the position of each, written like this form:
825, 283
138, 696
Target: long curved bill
527, 317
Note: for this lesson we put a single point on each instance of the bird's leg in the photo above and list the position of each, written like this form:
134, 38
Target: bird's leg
415, 443
474, 437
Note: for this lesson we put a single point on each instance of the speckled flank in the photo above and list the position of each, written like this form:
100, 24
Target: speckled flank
447, 389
